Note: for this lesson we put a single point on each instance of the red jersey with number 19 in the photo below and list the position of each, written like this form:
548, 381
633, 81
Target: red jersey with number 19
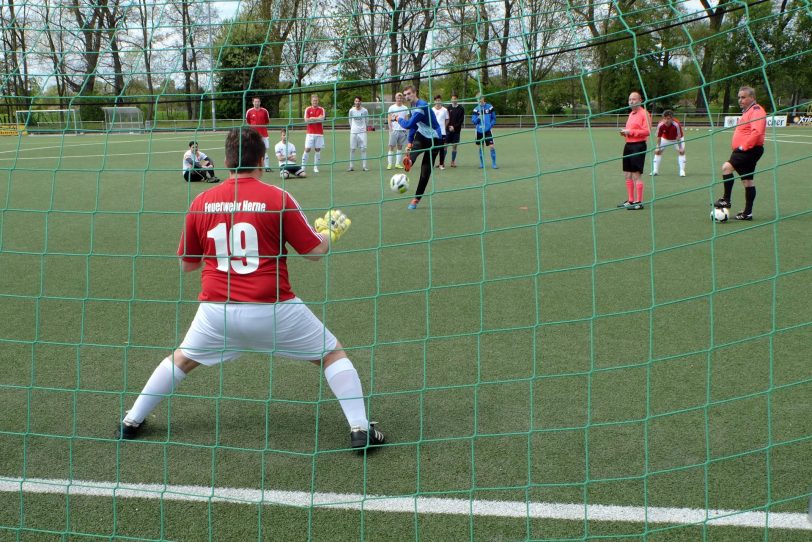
240, 229
258, 119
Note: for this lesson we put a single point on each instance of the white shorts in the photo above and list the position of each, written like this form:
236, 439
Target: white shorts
666, 143
267, 142
314, 141
358, 141
224, 332
398, 137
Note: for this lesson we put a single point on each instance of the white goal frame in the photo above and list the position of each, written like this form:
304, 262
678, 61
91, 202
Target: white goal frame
123, 119
31, 121
377, 114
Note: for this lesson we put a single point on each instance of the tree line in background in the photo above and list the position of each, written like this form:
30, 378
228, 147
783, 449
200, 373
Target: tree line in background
530, 56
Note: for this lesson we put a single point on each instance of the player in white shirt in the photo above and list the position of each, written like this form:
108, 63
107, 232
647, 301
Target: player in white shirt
286, 154
358, 133
441, 114
197, 167
398, 136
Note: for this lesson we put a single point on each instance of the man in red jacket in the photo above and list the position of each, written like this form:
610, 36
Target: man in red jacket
636, 132
748, 146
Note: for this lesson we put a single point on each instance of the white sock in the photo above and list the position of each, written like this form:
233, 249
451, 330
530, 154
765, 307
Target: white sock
343, 380
682, 163
363, 158
389, 157
304, 158
397, 158
352, 157
164, 380
267, 163
316, 158
657, 159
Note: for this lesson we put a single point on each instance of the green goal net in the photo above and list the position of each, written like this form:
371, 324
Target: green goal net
545, 364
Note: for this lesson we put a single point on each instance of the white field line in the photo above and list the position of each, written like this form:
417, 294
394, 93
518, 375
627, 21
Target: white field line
67, 157
411, 504
187, 137
790, 141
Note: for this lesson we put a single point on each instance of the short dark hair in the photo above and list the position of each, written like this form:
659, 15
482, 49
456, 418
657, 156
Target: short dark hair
668, 113
244, 149
438, 97
192, 143
454, 95
410, 87
360, 99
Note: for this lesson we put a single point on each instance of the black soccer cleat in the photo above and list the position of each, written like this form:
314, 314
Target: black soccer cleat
129, 430
624, 204
722, 203
743, 216
635, 206
360, 438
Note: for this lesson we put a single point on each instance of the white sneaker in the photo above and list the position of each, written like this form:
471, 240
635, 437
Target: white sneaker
654, 173
442, 167
682, 174
350, 168
364, 168
315, 169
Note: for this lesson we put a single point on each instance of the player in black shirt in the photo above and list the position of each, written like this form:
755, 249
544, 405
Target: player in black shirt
456, 118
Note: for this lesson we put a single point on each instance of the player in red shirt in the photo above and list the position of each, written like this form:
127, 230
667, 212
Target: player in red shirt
239, 232
258, 118
314, 118
748, 146
669, 134
635, 132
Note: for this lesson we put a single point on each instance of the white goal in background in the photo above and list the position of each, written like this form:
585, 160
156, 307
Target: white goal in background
123, 119
377, 114
48, 121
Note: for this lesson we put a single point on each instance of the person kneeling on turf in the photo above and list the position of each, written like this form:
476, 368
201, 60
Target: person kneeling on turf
197, 167
286, 154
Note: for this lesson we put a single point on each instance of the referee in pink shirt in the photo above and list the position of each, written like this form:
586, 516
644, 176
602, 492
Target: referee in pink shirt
636, 132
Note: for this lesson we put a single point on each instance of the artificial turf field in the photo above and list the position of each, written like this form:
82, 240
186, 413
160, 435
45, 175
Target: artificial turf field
521, 340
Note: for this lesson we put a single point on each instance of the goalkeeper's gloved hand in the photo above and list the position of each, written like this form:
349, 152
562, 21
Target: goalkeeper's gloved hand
334, 223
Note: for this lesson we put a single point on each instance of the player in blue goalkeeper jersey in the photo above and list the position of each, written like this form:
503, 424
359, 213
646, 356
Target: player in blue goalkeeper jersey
424, 135
484, 117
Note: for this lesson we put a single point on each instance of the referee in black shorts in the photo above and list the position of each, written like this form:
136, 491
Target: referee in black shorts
748, 146
636, 132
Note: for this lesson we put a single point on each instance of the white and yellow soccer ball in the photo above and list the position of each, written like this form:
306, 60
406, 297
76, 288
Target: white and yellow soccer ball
720, 214
399, 183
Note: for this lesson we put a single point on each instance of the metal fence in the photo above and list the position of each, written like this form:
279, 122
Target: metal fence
714, 120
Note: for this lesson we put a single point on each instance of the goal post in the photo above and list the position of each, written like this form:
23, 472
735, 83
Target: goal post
47, 121
123, 119
377, 114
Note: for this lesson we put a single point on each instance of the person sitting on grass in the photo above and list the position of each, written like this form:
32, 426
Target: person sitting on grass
197, 167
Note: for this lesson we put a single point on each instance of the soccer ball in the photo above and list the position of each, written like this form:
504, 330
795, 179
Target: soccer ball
720, 214
399, 183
